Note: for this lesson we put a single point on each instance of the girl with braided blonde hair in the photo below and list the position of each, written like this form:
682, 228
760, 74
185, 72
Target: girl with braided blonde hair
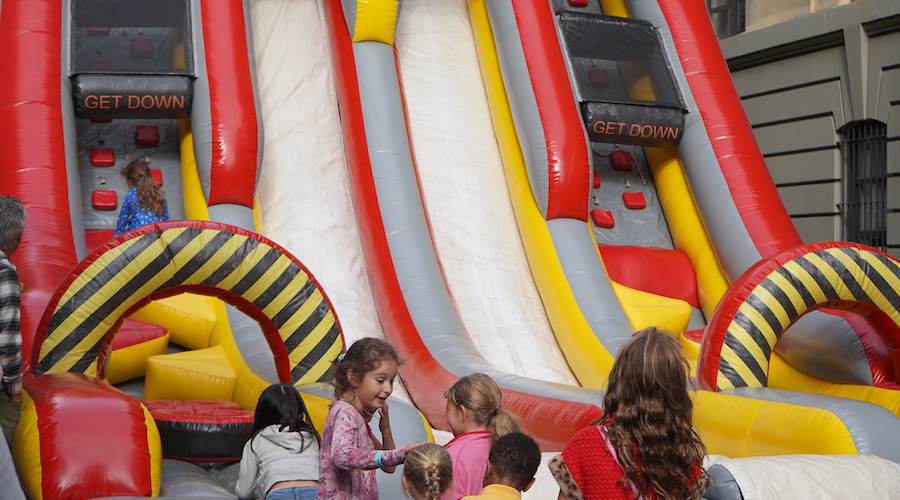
477, 420
428, 472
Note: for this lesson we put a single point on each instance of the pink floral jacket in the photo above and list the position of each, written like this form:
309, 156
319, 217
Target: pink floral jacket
347, 465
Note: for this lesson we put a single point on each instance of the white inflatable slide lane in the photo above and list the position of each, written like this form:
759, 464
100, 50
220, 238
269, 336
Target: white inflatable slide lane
824, 477
464, 188
303, 194
465, 193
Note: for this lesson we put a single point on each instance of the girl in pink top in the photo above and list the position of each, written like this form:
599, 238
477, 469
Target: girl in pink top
363, 380
475, 417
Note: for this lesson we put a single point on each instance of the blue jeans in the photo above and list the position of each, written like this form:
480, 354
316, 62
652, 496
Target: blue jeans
294, 493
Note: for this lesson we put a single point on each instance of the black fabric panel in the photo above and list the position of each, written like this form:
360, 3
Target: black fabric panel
203, 441
143, 13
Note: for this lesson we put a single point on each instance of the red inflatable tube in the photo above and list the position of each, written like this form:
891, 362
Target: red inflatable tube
420, 371
743, 167
79, 465
235, 134
884, 373
568, 165
32, 150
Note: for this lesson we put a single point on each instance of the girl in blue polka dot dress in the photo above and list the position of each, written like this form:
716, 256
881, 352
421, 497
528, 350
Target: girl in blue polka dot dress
145, 202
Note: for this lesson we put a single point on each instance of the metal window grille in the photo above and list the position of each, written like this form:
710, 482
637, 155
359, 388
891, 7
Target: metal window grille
727, 16
864, 157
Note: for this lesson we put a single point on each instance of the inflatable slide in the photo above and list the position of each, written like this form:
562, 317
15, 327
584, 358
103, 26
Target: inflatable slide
614, 155
531, 181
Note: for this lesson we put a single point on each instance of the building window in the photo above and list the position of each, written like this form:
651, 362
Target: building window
727, 16
864, 157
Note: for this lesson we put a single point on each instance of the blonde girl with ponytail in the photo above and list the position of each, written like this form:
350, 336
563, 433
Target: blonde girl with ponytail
427, 473
476, 418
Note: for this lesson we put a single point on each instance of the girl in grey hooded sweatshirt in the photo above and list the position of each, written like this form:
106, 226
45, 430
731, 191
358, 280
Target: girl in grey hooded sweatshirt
281, 459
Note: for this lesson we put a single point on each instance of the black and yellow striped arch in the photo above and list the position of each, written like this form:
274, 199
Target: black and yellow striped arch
763, 303
241, 267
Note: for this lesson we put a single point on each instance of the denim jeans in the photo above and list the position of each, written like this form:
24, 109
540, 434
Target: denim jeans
294, 493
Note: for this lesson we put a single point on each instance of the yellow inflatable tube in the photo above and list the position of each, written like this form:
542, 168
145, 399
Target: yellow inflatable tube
686, 226
736, 426
784, 376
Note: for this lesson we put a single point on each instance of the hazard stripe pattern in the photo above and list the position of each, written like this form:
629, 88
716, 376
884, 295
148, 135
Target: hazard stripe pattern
833, 274
238, 264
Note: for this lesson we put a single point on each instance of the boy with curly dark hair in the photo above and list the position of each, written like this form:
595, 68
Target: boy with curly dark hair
512, 463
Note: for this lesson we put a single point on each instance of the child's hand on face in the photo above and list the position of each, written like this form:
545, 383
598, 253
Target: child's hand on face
384, 422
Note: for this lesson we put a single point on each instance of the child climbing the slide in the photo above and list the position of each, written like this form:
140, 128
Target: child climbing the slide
363, 378
476, 419
145, 201
281, 460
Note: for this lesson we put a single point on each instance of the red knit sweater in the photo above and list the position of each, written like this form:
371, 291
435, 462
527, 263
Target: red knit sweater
593, 468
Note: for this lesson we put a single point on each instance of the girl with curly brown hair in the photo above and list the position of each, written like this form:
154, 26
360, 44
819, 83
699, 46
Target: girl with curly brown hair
644, 445
363, 379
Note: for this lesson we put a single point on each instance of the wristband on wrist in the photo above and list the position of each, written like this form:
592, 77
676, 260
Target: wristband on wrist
378, 460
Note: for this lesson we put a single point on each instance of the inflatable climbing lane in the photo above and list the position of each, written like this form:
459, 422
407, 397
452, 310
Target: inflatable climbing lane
170, 82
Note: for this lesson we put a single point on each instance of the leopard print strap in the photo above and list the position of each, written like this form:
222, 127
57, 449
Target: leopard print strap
567, 485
